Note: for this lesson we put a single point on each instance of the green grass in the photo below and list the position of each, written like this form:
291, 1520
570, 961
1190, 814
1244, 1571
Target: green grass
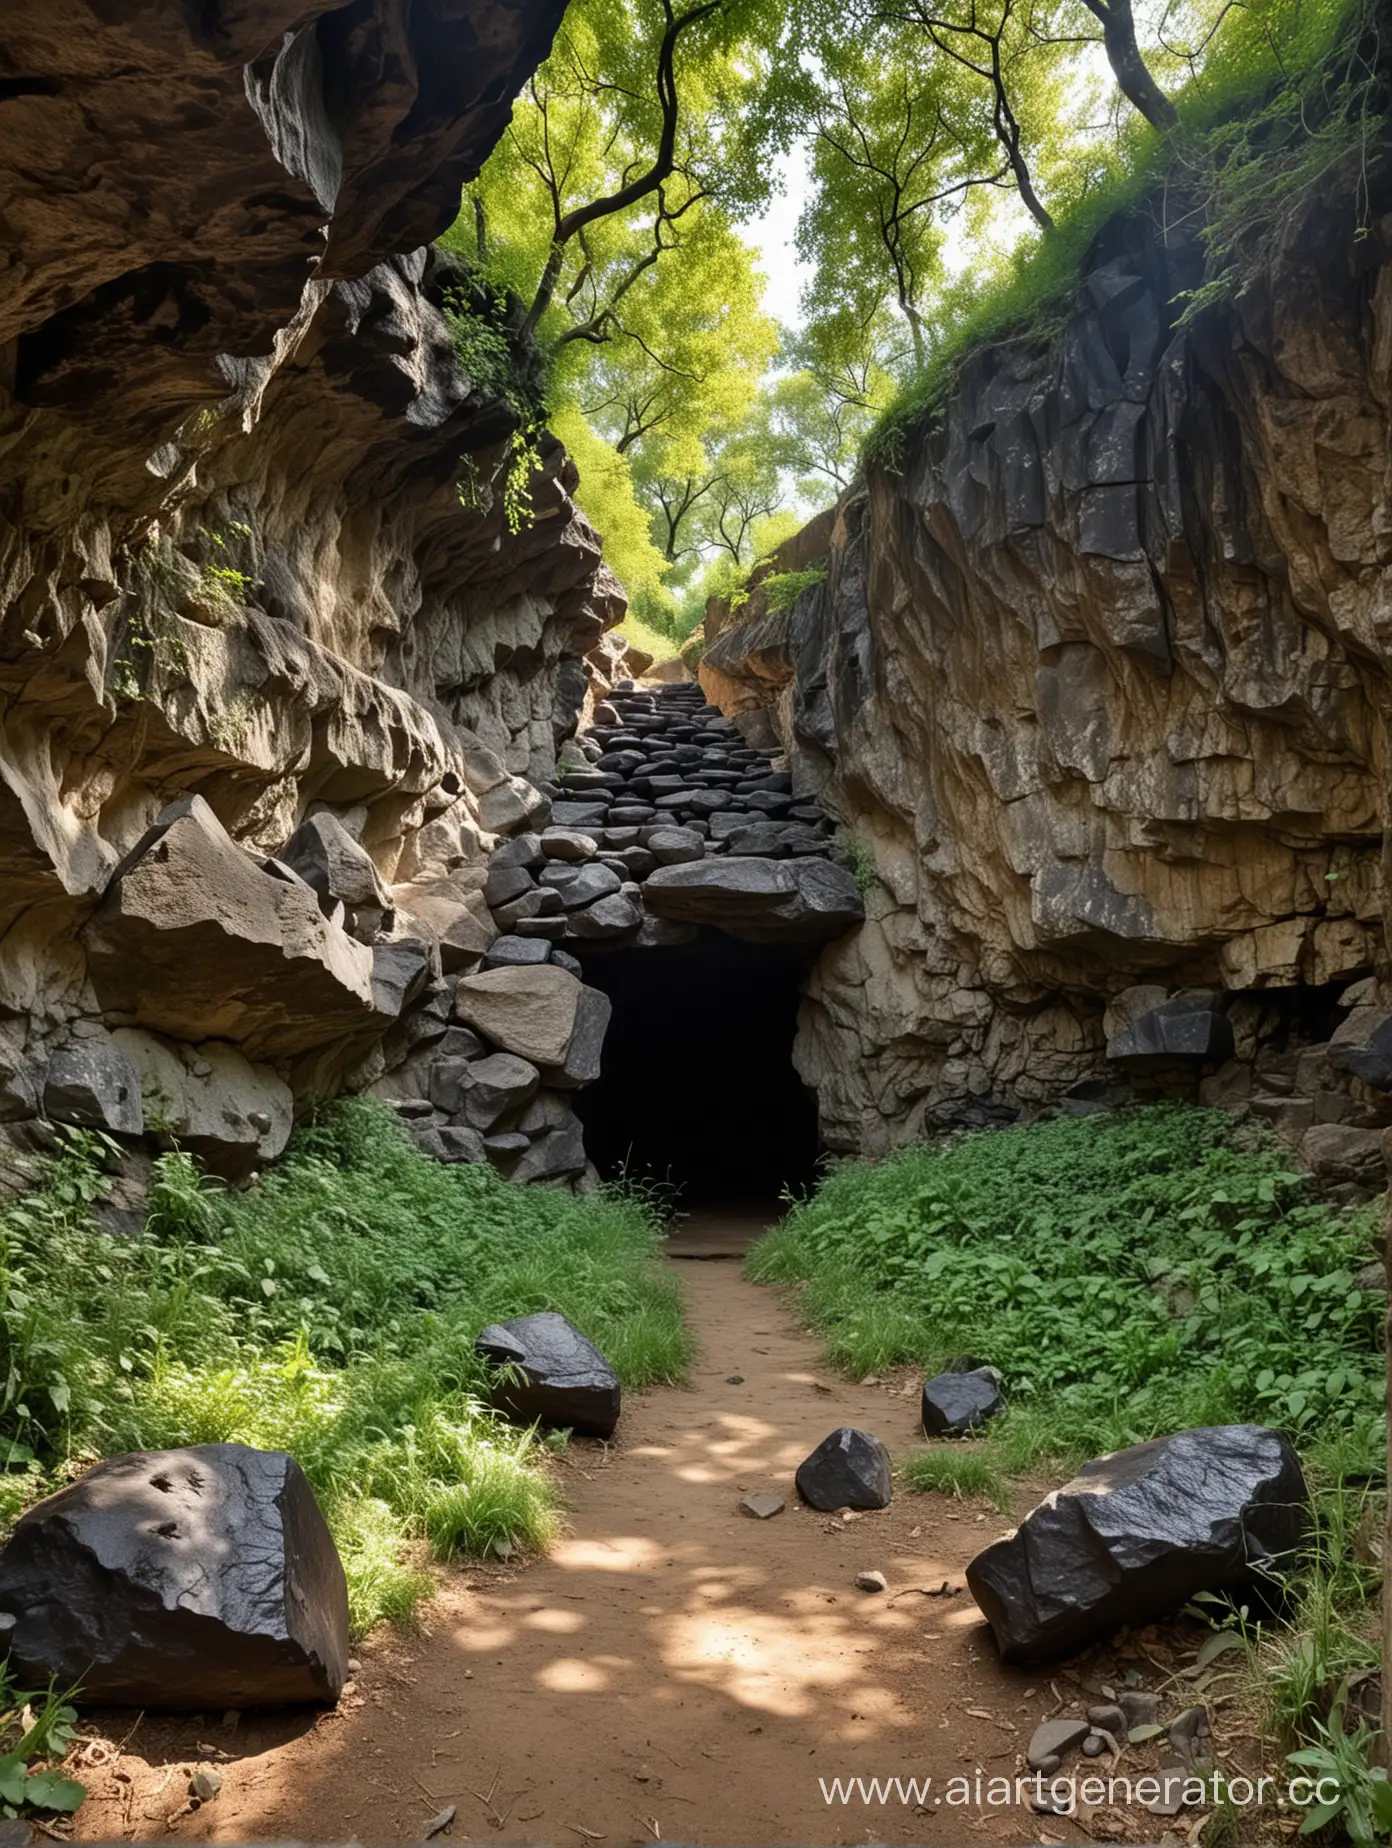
1289, 106
329, 1311
959, 1472
1130, 1275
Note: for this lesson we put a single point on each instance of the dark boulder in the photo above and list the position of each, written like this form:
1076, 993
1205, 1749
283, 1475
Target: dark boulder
1186, 1028
177, 1580
955, 1402
566, 1380
849, 1469
1136, 1534
764, 901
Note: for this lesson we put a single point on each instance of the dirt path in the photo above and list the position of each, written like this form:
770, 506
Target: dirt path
675, 1669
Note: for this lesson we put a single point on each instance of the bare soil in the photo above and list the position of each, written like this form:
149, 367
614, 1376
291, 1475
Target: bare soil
674, 1670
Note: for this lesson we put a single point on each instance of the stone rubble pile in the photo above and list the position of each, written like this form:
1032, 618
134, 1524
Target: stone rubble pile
665, 819
490, 1074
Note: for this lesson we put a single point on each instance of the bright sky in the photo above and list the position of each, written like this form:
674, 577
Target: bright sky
772, 236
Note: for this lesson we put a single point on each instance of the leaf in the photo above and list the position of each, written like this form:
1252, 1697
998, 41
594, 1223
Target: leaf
1218, 1644
61, 1395
12, 1779
50, 1790
1317, 1818
1139, 1734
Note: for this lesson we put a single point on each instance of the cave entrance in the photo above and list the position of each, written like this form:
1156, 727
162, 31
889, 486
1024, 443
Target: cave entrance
698, 1088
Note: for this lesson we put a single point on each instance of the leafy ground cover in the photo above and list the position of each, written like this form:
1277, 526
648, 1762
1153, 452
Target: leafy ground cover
1129, 1274
329, 1311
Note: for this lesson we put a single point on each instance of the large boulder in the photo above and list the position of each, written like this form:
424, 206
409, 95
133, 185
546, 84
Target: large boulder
1137, 1533
338, 868
455, 911
543, 1015
849, 1469
211, 1100
177, 1580
193, 939
1186, 1029
760, 900
564, 1379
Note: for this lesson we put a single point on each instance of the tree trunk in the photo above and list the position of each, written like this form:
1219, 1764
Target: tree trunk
1128, 66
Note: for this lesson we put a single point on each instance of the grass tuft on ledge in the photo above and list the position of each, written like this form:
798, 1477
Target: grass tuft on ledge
329, 1311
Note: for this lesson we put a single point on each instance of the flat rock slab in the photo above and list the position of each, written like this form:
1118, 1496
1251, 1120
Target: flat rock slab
564, 1379
762, 1507
849, 1469
1138, 1533
955, 1403
1052, 1739
177, 1580
760, 900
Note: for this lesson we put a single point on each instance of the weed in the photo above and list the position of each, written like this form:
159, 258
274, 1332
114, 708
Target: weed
862, 857
959, 1472
329, 1311
1363, 1803
36, 1731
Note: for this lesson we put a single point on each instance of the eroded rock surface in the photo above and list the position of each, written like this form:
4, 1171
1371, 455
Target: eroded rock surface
1098, 685
276, 670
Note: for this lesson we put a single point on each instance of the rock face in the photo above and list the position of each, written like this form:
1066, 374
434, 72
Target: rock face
567, 1382
1097, 681
180, 1579
1137, 1533
275, 670
849, 1469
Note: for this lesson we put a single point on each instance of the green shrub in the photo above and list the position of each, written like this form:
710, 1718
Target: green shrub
1132, 1273
329, 1311
781, 590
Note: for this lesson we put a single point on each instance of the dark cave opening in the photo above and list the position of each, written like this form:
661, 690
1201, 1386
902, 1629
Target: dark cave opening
698, 1088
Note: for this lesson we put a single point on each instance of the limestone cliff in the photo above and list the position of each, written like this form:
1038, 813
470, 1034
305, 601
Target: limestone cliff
1098, 679
240, 582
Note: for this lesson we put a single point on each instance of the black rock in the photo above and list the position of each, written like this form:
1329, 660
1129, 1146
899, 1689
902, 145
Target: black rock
1138, 1533
1186, 1027
567, 1381
177, 1580
956, 1402
849, 1469
506, 883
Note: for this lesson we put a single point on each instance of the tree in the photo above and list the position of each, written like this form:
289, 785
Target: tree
839, 376
638, 116
991, 40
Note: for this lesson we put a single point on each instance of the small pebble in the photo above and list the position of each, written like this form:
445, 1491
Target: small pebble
1094, 1745
206, 1785
1109, 1718
870, 1581
734, 1379
354, 1666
